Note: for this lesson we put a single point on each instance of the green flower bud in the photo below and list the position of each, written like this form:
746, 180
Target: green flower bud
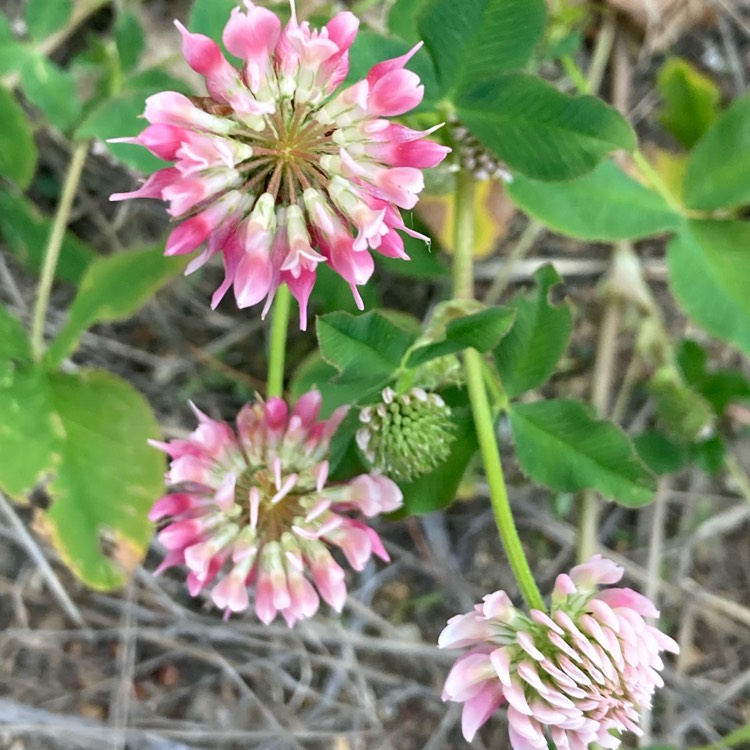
684, 413
406, 435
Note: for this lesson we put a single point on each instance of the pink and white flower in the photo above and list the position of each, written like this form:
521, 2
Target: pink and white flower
253, 507
280, 131
577, 675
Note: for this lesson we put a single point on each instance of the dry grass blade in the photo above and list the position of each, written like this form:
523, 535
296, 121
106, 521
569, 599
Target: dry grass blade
664, 21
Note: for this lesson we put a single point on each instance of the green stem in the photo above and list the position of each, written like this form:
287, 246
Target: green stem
643, 164
463, 288
54, 243
279, 325
575, 74
480, 407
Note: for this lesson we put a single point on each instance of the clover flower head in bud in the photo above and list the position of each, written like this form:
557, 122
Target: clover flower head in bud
473, 157
576, 675
406, 435
279, 167
253, 507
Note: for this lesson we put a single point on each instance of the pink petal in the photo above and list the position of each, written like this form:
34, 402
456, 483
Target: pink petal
479, 708
264, 598
173, 504
418, 154
163, 140
526, 727
400, 185
307, 407
514, 694
396, 63
253, 34
373, 494
342, 29
464, 630
204, 56
629, 599
231, 593
153, 186
301, 287
252, 279
519, 742
329, 579
598, 570
353, 541
395, 93
171, 108
354, 267
501, 658
498, 606
392, 246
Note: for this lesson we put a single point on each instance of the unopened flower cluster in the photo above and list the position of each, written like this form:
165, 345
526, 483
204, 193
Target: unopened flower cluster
278, 168
407, 434
577, 676
254, 508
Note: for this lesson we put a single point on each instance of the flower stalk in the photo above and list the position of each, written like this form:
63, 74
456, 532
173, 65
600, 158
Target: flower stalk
463, 287
277, 350
54, 243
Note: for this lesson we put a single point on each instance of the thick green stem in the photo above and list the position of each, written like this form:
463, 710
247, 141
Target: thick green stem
480, 407
277, 351
54, 243
463, 288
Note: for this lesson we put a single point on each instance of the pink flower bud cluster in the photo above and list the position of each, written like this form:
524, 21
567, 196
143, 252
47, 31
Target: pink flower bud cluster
278, 168
578, 675
254, 508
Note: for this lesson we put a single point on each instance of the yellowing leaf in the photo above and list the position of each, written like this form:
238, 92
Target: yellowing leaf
670, 167
492, 208
691, 101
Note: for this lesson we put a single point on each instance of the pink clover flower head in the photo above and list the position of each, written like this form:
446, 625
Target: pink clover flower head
279, 168
253, 506
576, 675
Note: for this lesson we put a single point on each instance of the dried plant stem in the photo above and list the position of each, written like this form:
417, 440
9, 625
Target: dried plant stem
463, 288
54, 243
606, 352
655, 551
277, 351
601, 388
517, 253
53, 582
738, 474
463, 258
602, 52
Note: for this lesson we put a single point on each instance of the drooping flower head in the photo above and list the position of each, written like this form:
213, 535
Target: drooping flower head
254, 507
577, 675
279, 168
